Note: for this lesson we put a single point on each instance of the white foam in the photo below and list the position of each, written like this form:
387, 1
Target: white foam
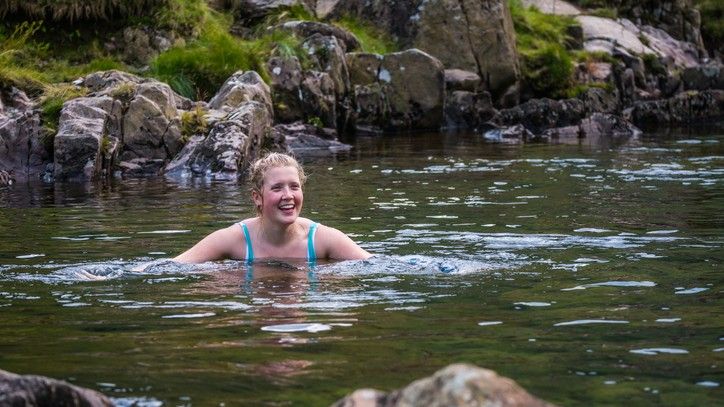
302, 327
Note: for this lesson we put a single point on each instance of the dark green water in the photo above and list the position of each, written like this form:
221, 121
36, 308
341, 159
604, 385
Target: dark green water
591, 274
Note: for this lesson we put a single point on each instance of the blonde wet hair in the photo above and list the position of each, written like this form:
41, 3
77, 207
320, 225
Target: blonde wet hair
260, 167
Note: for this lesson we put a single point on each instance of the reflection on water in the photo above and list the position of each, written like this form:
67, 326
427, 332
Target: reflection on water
593, 265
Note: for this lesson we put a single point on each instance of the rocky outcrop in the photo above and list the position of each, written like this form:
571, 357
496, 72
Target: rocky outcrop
474, 35
225, 152
458, 385
236, 137
22, 150
87, 138
28, 390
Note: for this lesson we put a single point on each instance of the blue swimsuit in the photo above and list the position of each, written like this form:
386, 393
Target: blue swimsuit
311, 254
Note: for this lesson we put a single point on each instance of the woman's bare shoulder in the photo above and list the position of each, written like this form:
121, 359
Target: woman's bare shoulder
337, 245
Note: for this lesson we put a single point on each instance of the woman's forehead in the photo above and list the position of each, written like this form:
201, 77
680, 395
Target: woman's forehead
281, 173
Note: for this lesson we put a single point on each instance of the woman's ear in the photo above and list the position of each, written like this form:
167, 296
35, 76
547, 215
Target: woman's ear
256, 197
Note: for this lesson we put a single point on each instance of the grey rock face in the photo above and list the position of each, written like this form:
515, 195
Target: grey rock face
286, 80
28, 390
151, 124
242, 87
22, 151
86, 125
458, 385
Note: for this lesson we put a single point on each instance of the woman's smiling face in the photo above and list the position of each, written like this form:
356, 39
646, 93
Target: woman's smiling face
281, 196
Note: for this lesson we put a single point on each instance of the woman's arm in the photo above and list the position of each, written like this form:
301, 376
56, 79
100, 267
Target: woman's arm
216, 246
339, 246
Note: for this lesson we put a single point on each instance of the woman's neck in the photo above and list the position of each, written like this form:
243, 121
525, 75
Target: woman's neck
278, 234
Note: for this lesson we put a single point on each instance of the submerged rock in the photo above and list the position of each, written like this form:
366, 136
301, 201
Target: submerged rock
538, 115
684, 108
29, 390
305, 139
458, 385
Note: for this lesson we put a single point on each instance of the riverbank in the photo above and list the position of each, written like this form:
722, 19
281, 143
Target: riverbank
537, 73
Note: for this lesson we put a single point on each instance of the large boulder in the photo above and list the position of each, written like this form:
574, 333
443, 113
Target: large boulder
684, 108
415, 89
458, 385
474, 35
151, 124
328, 56
401, 90
22, 150
88, 134
229, 147
29, 390
286, 80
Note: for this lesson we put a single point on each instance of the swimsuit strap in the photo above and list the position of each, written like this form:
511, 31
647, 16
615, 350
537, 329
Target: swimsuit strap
249, 251
311, 253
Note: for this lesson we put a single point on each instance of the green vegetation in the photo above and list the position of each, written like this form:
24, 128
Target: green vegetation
371, 38
315, 121
547, 67
198, 69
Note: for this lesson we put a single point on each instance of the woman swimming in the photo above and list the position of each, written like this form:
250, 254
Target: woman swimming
277, 231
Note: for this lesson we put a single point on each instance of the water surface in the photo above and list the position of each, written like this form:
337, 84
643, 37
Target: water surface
589, 273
